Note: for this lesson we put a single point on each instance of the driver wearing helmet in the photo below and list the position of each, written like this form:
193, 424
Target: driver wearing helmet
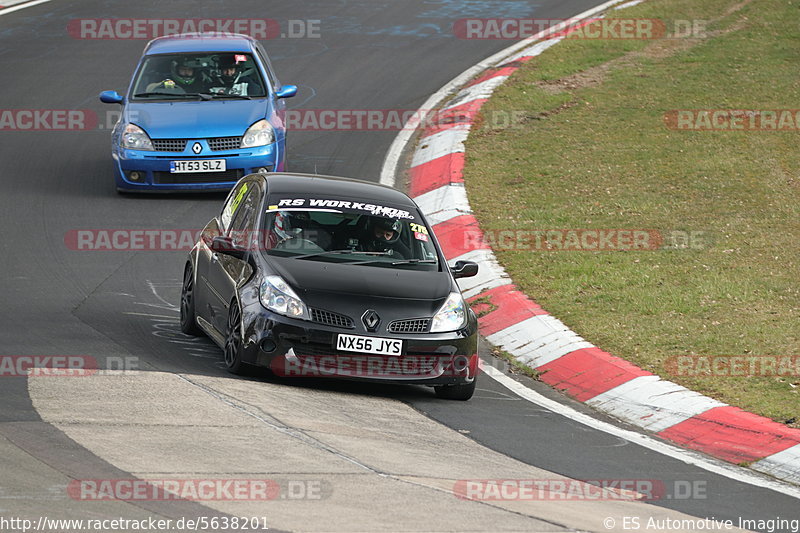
231, 80
185, 76
383, 235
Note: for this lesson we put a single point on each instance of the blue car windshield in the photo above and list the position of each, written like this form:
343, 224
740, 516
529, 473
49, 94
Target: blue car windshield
376, 236
182, 76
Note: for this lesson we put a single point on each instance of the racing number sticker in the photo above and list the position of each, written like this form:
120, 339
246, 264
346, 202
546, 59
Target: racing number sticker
420, 231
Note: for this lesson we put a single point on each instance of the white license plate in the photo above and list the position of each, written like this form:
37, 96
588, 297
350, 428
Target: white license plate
202, 165
376, 345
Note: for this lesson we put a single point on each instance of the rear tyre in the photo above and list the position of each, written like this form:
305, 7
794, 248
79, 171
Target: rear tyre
233, 341
188, 317
462, 391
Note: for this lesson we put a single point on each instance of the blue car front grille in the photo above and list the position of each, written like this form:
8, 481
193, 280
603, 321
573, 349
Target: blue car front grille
224, 143
169, 145
216, 144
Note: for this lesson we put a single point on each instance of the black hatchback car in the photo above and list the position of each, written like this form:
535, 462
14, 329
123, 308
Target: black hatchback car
331, 277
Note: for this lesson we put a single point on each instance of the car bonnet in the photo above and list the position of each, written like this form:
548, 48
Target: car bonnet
319, 280
196, 119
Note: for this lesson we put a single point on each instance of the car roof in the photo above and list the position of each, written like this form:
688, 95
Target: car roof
291, 183
200, 42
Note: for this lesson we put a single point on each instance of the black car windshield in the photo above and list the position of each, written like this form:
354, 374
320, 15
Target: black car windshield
219, 74
346, 231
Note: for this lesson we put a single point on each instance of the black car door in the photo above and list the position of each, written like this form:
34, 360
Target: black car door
226, 272
208, 299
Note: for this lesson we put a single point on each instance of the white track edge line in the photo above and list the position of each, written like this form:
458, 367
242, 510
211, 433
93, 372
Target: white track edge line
686, 456
11, 9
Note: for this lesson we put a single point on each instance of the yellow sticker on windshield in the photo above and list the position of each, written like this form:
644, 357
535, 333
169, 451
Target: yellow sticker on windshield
238, 199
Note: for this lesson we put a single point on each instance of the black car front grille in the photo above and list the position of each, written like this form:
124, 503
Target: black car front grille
224, 143
413, 325
331, 319
169, 145
210, 177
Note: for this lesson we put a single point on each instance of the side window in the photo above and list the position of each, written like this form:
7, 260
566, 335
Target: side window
232, 204
242, 229
273, 81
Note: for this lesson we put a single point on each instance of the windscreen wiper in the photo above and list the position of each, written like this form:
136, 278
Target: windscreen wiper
415, 262
161, 93
336, 252
225, 95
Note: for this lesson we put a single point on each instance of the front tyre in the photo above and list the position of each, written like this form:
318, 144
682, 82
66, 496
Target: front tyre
233, 340
188, 317
462, 391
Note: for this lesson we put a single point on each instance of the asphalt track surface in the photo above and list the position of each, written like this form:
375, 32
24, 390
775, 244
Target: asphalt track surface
372, 54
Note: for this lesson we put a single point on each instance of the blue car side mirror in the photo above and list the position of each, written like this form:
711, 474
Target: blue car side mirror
111, 97
287, 91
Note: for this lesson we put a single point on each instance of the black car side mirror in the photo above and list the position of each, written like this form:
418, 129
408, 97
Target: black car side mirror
464, 269
224, 245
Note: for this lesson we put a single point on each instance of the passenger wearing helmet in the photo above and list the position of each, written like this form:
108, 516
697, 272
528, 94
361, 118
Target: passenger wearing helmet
231, 80
383, 235
185, 76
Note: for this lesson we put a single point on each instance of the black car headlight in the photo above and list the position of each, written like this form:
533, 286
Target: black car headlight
452, 315
276, 295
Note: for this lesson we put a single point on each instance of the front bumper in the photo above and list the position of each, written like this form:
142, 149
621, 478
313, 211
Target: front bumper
298, 348
139, 170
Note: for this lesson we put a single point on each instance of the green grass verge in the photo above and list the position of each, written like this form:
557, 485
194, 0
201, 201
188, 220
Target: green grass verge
589, 149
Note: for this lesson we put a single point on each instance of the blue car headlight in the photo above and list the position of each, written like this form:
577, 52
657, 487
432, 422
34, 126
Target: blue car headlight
276, 295
259, 134
134, 138
452, 315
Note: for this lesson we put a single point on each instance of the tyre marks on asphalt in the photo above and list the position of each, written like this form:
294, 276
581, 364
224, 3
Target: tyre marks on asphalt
167, 326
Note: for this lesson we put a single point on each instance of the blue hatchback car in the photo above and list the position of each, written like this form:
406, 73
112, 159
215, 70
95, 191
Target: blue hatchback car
202, 110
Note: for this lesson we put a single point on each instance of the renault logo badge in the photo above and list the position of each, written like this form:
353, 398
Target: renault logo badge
371, 320
197, 148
